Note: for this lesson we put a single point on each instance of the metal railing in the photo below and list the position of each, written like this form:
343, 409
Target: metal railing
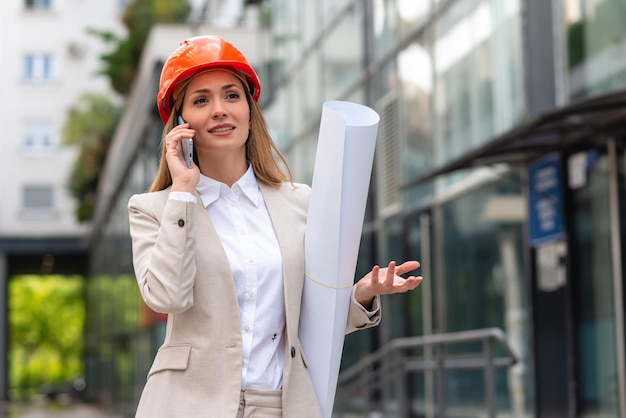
392, 364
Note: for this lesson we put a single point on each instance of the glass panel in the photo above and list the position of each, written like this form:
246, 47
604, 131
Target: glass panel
38, 67
394, 322
593, 290
38, 135
331, 8
357, 344
311, 23
311, 92
302, 158
419, 320
295, 94
595, 43
29, 67
385, 27
343, 51
416, 98
278, 116
395, 19
415, 300
411, 14
284, 17
476, 95
46, 72
482, 253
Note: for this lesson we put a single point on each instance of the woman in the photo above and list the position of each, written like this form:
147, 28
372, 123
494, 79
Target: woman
219, 248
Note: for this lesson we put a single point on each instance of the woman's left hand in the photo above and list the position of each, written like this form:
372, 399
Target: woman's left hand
386, 281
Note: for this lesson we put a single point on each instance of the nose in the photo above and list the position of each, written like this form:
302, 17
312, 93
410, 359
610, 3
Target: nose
218, 110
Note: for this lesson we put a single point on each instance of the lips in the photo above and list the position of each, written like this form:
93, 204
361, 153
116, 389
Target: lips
221, 128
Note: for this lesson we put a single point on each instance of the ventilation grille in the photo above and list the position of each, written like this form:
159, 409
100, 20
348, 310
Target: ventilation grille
388, 157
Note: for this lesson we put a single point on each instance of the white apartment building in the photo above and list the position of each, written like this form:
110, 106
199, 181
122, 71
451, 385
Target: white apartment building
47, 60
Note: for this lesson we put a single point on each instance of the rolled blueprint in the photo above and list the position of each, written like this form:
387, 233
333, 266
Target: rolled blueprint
341, 176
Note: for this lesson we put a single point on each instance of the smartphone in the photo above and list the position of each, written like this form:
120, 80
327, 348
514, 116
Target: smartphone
187, 146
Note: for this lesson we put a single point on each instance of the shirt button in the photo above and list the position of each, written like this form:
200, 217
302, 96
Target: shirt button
181, 223
247, 328
293, 351
233, 203
250, 293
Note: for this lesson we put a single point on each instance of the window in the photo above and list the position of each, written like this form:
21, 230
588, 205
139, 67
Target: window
38, 4
38, 200
38, 67
39, 135
595, 37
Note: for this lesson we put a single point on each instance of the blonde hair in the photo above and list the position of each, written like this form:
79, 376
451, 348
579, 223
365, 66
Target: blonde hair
261, 151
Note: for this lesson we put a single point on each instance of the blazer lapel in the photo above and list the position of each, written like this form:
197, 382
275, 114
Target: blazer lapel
291, 243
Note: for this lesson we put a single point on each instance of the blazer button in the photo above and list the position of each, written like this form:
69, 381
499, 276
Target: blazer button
181, 223
293, 352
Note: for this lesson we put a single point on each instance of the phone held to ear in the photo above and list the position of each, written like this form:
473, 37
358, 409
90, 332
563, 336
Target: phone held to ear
187, 146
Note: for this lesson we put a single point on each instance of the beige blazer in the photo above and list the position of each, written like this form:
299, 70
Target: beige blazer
182, 270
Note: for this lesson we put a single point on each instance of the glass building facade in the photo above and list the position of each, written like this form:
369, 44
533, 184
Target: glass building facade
449, 79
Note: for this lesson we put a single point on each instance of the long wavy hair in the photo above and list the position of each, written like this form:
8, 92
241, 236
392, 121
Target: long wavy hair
268, 163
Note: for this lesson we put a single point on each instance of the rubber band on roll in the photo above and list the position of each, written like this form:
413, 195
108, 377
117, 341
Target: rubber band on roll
325, 284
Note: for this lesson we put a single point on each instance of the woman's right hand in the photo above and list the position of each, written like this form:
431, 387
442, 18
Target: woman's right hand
184, 179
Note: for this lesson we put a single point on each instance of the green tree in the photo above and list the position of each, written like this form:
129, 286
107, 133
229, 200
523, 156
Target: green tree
46, 321
120, 65
90, 127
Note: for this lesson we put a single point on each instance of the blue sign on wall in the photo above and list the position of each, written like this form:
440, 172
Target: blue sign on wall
545, 200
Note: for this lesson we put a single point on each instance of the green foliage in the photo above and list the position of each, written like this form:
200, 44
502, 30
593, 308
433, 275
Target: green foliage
120, 65
47, 316
90, 127
576, 43
91, 124
115, 305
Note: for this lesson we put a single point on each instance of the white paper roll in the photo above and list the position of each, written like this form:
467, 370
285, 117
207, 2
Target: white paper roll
341, 177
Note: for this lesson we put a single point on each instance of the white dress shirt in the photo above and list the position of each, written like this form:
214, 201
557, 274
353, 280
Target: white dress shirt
247, 235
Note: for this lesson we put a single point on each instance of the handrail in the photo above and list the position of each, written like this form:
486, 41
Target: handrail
392, 363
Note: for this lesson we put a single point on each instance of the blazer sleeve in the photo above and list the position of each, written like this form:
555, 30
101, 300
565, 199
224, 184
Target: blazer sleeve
359, 318
163, 245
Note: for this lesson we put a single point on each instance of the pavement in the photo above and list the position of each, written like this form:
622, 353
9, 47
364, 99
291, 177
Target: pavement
68, 410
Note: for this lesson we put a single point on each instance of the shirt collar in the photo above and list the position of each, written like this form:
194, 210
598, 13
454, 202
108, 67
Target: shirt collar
210, 190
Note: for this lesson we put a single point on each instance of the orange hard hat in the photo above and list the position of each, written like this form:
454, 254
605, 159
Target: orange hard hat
197, 54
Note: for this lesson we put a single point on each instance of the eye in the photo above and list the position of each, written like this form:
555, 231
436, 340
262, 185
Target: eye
200, 100
232, 96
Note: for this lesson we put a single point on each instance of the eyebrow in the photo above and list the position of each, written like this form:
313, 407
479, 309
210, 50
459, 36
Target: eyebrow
224, 87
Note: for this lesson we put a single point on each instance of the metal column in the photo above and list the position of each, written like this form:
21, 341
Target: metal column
616, 257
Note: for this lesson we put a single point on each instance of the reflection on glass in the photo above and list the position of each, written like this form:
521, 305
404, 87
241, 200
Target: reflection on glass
593, 287
483, 287
415, 79
343, 53
477, 69
411, 10
394, 326
596, 44
387, 26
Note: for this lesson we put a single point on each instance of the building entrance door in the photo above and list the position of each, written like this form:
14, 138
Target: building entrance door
597, 213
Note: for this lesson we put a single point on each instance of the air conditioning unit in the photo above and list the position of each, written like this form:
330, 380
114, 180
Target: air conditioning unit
76, 50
